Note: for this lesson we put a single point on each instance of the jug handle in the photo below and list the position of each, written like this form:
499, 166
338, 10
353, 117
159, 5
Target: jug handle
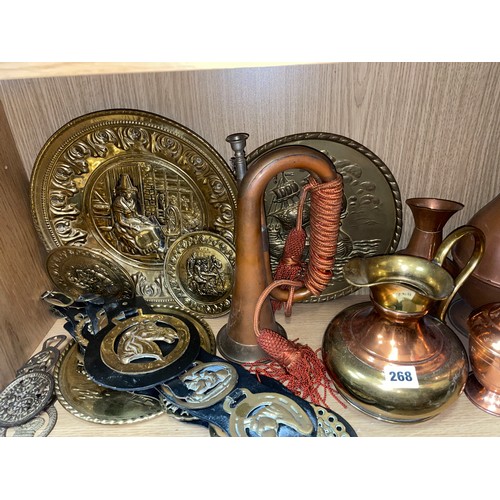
444, 249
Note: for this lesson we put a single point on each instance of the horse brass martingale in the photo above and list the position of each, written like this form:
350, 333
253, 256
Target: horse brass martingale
128, 183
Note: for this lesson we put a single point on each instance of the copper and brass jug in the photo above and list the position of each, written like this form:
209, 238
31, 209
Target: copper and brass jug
394, 358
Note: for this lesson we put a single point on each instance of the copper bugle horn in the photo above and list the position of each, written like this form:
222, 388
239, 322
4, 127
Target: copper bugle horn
236, 341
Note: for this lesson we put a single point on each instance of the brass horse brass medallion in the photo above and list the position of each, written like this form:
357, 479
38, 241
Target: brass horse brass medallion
263, 413
207, 383
78, 271
129, 183
371, 218
199, 271
133, 345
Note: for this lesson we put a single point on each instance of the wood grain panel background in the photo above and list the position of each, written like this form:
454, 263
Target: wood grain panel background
24, 319
435, 125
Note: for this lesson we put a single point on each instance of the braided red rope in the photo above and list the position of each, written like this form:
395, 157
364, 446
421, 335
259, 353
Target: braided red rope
296, 365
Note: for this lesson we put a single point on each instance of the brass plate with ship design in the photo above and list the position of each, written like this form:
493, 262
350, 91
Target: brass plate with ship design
129, 183
80, 271
371, 219
85, 399
199, 272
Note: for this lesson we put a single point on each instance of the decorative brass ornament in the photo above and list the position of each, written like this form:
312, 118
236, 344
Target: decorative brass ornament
79, 271
85, 399
207, 384
371, 219
25, 397
129, 346
142, 350
46, 358
330, 424
262, 414
129, 183
39, 426
199, 272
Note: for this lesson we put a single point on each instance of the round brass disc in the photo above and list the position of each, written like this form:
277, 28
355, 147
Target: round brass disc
371, 218
89, 401
129, 183
199, 272
78, 271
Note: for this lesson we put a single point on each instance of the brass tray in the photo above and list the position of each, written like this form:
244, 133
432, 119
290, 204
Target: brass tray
128, 183
371, 219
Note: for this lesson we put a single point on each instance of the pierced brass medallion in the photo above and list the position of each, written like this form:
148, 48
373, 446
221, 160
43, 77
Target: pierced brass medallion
207, 384
329, 424
263, 413
39, 426
133, 345
25, 397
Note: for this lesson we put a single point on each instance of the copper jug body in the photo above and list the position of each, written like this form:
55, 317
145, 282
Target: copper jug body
394, 358
483, 384
236, 341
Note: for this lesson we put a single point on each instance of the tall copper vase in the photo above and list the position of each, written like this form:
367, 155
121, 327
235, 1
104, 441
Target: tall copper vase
430, 216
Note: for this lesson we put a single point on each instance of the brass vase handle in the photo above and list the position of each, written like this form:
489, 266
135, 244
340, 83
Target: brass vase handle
476, 256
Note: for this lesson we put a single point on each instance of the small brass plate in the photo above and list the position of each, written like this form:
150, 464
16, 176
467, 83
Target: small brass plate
128, 183
371, 218
85, 399
199, 272
79, 271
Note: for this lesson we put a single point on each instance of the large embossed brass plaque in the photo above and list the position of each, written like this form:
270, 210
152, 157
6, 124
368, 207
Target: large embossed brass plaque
128, 183
371, 218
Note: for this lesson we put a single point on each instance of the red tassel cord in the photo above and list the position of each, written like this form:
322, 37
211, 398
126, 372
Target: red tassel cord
297, 366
